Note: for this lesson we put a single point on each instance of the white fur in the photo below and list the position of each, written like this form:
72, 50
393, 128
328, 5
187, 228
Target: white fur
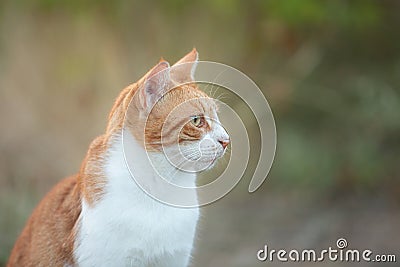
129, 228
197, 155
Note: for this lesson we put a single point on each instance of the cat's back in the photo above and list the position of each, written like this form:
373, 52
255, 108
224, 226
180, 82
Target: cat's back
48, 237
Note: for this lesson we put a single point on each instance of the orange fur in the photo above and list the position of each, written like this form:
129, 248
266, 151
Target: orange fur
49, 235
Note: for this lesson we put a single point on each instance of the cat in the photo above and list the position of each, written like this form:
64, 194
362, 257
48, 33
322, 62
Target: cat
101, 216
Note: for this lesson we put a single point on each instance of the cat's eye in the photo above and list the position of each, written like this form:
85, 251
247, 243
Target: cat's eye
197, 120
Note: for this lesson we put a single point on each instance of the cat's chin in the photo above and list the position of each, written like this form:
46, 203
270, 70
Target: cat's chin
209, 163
198, 165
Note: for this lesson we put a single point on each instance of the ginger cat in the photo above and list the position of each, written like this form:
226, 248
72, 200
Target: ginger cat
100, 216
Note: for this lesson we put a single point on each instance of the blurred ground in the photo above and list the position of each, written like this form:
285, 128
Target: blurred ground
233, 230
329, 69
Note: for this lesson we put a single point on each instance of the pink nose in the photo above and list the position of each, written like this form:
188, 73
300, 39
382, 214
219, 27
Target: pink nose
224, 143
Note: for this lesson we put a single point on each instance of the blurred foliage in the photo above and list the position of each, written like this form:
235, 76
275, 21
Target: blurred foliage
329, 69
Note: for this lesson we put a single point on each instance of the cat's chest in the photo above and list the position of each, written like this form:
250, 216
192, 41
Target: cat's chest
134, 233
119, 231
127, 225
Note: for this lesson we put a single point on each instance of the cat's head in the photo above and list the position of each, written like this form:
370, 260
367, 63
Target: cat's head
169, 113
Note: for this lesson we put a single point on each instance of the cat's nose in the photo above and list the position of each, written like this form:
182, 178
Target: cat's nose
224, 142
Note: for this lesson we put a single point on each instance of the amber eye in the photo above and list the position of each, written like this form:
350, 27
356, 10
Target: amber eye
197, 121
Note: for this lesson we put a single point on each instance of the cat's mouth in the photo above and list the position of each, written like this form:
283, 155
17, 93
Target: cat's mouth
195, 156
209, 158
205, 155
195, 159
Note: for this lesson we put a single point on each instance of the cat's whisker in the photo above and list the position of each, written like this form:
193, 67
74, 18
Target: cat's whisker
174, 158
182, 161
104, 181
212, 94
177, 155
213, 84
207, 85
194, 153
188, 157
222, 96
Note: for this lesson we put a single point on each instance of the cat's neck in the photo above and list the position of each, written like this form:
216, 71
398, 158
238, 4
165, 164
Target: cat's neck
126, 220
125, 158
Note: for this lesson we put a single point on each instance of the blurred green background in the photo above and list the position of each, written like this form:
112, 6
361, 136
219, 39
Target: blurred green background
329, 69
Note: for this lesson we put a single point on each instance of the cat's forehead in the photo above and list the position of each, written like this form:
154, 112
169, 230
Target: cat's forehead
190, 98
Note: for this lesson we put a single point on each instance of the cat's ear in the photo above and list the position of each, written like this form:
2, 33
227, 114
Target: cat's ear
156, 84
183, 70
